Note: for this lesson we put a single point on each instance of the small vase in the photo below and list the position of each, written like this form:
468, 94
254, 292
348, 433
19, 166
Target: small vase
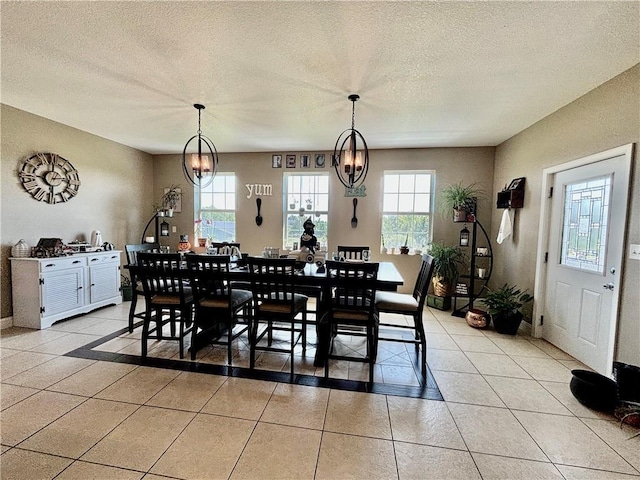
404, 250
21, 250
202, 241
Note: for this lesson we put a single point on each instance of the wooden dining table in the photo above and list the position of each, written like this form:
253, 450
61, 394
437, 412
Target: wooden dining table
312, 275
389, 279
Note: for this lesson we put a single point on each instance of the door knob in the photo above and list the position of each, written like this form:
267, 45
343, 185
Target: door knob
608, 286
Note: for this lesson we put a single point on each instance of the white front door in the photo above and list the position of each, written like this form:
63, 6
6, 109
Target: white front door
588, 212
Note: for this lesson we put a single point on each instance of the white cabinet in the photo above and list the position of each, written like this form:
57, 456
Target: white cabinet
46, 290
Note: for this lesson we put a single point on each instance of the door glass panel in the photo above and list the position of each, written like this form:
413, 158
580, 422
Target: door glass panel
584, 227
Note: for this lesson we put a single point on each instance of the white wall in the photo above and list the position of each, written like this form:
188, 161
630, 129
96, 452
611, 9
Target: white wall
450, 164
115, 188
604, 118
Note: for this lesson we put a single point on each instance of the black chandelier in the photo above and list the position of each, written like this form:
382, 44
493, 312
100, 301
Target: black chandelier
351, 164
201, 167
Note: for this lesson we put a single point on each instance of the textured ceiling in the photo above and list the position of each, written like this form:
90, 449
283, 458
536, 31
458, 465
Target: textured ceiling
275, 76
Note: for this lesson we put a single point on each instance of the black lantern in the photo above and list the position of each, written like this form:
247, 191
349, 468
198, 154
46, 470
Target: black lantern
351, 164
200, 167
464, 237
164, 229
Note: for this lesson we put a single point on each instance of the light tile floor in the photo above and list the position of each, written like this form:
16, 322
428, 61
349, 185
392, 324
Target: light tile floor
508, 413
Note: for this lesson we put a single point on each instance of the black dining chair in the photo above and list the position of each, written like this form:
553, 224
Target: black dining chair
411, 305
351, 291
351, 252
132, 251
168, 297
277, 307
218, 306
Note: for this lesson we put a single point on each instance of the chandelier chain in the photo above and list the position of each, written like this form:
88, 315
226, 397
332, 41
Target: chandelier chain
353, 114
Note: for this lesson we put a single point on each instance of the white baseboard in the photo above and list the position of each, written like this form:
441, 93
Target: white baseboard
6, 322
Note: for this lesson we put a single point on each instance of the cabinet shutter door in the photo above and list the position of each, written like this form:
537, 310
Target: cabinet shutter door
62, 291
104, 282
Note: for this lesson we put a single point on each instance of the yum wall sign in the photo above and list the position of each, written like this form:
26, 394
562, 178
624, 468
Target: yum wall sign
259, 189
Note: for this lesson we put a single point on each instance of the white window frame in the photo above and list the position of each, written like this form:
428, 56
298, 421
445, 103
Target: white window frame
319, 198
397, 238
230, 206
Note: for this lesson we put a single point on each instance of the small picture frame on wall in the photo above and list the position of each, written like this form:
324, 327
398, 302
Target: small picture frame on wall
334, 160
516, 184
319, 160
178, 198
305, 160
276, 161
291, 161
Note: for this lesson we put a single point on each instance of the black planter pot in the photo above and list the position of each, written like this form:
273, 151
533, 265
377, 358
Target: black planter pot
507, 324
628, 380
594, 390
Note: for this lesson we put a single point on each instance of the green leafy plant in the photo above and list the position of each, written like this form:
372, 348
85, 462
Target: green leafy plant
506, 301
457, 196
446, 261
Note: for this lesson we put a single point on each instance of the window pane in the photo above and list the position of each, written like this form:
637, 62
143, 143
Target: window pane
423, 183
391, 183
230, 201
423, 203
218, 201
206, 200
390, 203
586, 211
405, 202
407, 183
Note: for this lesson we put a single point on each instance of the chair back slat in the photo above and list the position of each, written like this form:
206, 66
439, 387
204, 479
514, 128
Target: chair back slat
273, 281
352, 286
351, 252
160, 273
209, 276
423, 280
132, 251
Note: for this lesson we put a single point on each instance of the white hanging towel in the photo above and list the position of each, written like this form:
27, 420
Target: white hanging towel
505, 226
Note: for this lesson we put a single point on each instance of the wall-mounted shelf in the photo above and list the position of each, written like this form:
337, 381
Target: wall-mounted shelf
513, 195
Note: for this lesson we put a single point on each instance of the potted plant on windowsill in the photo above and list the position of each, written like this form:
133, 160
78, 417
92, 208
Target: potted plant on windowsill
404, 249
459, 199
505, 306
446, 260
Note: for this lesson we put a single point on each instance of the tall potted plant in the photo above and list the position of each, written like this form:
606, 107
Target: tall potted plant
459, 199
505, 306
446, 260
